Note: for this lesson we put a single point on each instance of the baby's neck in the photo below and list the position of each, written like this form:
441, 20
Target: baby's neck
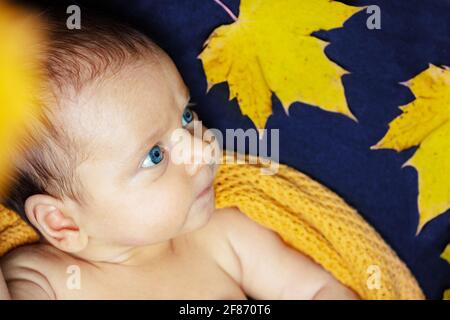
130, 256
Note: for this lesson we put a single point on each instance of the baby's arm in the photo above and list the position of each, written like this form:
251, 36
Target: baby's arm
4, 293
272, 270
20, 282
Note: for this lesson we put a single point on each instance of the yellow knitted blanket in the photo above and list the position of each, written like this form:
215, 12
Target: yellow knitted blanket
318, 223
308, 216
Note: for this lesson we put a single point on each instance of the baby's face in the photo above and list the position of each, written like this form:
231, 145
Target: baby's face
135, 194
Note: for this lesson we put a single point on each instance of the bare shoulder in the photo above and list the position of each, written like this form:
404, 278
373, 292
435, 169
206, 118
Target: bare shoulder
29, 271
241, 229
231, 222
231, 218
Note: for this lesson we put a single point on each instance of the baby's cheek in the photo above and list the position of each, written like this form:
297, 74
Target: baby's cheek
157, 218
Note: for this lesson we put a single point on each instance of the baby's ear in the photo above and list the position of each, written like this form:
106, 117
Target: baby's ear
46, 214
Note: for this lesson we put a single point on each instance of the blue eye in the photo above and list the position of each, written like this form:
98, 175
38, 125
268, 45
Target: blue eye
188, 116
155, 156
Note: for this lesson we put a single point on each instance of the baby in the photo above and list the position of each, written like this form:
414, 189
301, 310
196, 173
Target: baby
118, 219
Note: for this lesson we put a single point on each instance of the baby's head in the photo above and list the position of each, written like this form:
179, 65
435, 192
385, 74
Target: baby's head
96, 172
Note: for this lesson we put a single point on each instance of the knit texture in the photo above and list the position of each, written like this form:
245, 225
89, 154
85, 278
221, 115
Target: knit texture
14, 231
306, 215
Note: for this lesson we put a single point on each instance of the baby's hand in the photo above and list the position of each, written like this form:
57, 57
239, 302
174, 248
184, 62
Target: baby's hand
272, 270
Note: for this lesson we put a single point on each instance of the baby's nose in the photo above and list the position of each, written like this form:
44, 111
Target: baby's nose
197, 159
191, 151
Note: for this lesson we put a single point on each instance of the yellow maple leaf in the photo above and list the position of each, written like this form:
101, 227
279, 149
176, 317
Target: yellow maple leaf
446, 254
270, 49
425, 121
18, 77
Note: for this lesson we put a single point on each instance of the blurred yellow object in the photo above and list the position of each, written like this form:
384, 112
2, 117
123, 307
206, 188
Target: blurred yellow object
447, 294
19, 77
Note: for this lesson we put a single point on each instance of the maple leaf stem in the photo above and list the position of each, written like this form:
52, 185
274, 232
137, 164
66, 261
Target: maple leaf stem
227, 10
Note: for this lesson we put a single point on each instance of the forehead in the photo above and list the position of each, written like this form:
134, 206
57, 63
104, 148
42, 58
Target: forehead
119, 110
